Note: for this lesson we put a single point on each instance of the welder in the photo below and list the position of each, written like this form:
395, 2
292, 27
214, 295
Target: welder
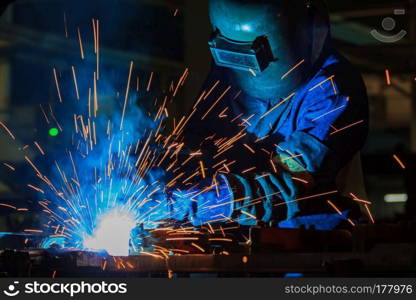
280, 123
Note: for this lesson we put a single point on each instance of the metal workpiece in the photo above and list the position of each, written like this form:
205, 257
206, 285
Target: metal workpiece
269, 252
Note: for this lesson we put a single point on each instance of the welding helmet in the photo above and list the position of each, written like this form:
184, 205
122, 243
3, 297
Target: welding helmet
261, 41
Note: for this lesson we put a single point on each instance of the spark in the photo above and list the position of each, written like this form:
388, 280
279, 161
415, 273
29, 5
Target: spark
149, 84
198, 247
369, 214
44, 114
273, 166
355, 198
222, 114
263, 176
211, 89
248, 170
39, 148
292, 157
211, 230
347, 127
249, 148
7, 130
277, 106
57, 85
300, 180
388, 80
334, 87
126, 96
307, 198
237, 94
95, 96
98, 48
33, 165
183, 239
33, 230
330, 78
252, 72
201, 163
236, 118
216, 102
8, 205
95, 35
328, 113
75, 82
292, 69
219, 240
81, 48
351, 222
334, 207
9, 166
249, 215
36, 188
402, 165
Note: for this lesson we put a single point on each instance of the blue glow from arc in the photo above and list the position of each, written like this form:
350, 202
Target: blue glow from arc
94, 181
51, 241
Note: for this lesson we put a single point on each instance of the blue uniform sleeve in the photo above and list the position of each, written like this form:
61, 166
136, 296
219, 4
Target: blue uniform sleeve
330, 125
330, 130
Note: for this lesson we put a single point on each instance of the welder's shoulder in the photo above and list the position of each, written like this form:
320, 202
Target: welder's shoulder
337, 76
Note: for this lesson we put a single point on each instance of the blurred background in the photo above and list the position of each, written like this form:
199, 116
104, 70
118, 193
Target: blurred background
163, 37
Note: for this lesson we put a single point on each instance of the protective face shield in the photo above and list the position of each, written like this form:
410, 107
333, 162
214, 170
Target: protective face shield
267, 38
245, 56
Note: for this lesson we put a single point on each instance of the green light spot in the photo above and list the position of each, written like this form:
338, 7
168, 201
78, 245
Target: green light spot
53, 131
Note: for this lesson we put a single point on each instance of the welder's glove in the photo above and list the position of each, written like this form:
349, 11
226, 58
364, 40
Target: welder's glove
212, 202
288, 196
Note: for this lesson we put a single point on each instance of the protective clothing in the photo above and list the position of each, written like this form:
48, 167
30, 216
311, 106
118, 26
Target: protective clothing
211, 203
279, 155
277, 136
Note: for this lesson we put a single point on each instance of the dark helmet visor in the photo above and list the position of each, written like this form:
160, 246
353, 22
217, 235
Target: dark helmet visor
248, 56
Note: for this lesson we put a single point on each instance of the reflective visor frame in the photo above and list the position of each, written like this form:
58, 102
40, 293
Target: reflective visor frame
247, 56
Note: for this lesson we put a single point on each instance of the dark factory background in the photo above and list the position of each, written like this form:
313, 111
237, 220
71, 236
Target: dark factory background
167, 36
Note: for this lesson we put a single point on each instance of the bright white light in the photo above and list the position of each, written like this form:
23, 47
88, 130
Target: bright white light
246, 27
112, 234
395, 198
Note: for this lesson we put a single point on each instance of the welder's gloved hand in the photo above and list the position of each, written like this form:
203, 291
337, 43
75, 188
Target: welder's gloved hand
212, 202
